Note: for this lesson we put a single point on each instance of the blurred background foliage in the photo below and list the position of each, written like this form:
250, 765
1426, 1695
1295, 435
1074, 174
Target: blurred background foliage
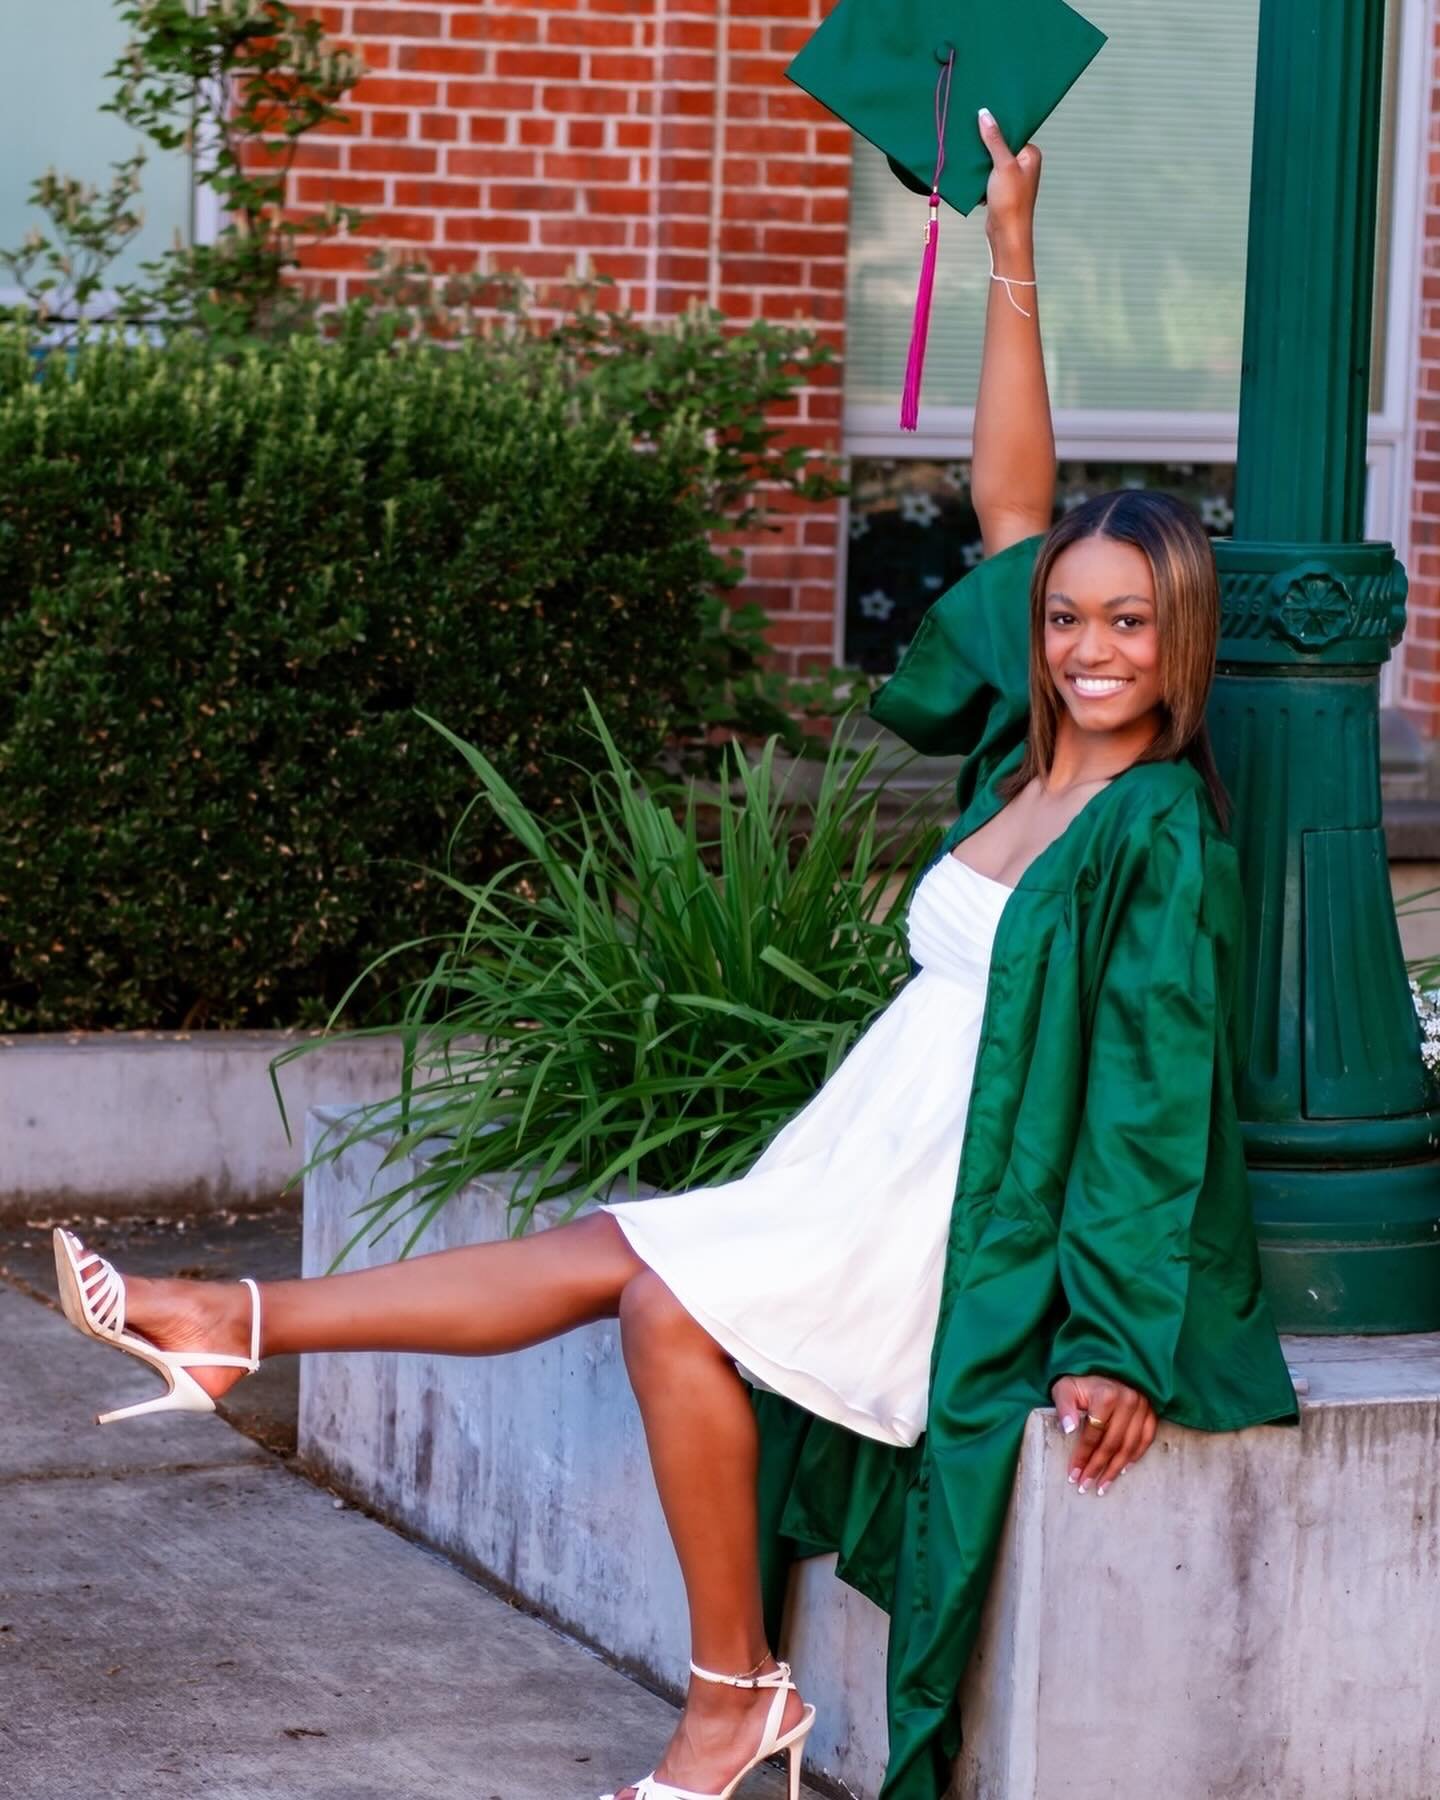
243, 540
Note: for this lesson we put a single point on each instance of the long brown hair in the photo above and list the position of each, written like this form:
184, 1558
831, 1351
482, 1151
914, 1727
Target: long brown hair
1187, 607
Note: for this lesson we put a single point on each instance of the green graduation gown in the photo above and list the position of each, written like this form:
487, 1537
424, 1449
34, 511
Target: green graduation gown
1101, 1222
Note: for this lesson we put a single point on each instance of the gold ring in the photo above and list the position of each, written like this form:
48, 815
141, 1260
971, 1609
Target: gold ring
1094, 1421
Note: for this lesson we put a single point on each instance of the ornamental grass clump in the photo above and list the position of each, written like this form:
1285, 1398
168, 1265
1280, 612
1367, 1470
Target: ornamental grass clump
664, 978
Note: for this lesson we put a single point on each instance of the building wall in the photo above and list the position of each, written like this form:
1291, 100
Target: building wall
657, 142
646, 140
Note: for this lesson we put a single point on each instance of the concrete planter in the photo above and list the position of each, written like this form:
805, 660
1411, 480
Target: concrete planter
533, 1469
112, 1122
1256, 1614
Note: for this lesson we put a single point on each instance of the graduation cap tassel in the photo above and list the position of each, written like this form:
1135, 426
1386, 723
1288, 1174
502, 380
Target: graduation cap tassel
920, 330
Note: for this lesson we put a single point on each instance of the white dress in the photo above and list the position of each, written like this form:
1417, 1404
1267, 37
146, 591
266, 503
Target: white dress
819, 1270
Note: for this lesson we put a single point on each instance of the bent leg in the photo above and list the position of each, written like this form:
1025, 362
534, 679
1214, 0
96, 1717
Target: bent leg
704, 1449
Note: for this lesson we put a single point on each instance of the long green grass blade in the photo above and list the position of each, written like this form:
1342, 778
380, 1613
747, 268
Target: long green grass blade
659, 983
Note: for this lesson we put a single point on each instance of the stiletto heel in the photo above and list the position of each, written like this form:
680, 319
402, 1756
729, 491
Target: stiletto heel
772, 1741
176, 1400
92, 1294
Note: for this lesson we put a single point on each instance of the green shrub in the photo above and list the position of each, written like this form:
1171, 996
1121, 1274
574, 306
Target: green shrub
737, 381
225, 587
662, 981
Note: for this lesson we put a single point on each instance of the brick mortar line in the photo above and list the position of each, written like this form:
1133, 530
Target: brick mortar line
659, 84
822, 158
541, 11
669, 184
465, 7
321, 170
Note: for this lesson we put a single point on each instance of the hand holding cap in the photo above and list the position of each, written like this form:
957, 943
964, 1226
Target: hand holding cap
876, 64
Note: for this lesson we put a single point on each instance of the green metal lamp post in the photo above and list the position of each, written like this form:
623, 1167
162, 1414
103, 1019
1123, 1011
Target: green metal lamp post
1342, 1129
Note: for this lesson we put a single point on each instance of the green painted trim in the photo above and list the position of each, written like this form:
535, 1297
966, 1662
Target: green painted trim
1342, 1143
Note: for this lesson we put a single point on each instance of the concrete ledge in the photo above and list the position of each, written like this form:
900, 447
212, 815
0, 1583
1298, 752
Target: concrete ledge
533, 1469
1247, 1615
1251, 1615
1412, 830
107, 1123
1405, 760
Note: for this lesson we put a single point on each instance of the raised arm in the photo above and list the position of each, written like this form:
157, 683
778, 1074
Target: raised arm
1013, 468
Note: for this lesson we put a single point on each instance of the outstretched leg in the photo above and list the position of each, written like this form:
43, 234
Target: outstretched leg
489, 1298
477, 1301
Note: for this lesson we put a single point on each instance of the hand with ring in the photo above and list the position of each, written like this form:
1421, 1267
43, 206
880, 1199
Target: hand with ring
1113, 1426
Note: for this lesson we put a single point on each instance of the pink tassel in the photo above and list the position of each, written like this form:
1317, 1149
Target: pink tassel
920, 330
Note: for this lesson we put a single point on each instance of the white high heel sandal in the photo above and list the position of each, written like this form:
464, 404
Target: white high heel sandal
92, 1293
771, 1744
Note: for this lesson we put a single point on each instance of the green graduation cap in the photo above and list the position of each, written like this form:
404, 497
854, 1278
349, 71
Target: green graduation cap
912, 75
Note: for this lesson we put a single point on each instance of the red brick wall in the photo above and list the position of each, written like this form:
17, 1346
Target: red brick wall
1419, 690
654, 141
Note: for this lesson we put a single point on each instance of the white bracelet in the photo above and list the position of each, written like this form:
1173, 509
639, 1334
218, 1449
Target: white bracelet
1008, 282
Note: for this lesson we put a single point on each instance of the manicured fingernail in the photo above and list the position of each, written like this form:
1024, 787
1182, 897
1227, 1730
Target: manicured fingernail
1100, 1491
1069, 1423
1073, 1477
1084, 1487
986, 116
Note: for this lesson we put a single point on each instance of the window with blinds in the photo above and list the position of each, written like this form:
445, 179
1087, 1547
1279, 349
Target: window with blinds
1140, 235
56, 59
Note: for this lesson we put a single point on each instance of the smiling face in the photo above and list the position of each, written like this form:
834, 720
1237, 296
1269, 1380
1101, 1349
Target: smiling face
1102, 639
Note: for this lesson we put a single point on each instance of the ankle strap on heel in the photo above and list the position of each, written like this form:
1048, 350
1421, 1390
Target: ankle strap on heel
778, 1680
254, 1362
778, 1677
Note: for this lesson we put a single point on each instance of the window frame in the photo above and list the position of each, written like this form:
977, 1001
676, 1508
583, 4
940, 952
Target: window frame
1091, 435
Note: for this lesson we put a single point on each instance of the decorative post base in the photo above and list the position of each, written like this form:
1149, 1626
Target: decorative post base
1352, 1249
1342, 1125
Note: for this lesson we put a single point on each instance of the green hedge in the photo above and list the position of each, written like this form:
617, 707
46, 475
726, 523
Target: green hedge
224, 589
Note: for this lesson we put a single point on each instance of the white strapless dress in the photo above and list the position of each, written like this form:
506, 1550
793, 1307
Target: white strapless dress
819, 1270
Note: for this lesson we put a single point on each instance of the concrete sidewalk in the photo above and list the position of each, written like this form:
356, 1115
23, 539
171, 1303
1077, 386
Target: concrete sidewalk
182, 1614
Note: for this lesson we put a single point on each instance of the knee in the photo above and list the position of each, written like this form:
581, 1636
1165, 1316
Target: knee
653, 1323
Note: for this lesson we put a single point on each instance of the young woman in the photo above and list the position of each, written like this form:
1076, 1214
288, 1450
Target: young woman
1025, 1182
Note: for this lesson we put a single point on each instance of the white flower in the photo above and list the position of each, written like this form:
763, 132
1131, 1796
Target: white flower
934, 581
973, 554
1217, 512
1427, 1009
956, 475
919, 509
877, 604
859, 525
